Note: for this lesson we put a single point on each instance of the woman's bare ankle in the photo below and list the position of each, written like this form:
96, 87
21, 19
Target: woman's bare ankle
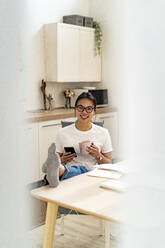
62, 170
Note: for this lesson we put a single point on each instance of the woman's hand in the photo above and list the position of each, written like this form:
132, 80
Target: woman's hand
67, 157
93, 151
102, 158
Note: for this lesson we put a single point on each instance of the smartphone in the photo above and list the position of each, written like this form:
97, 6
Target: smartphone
70, 149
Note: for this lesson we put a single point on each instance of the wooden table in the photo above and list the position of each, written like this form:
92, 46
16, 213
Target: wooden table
81, 193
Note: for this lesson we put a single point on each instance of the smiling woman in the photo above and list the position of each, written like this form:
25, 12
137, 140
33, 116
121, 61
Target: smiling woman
91, 143
86, 102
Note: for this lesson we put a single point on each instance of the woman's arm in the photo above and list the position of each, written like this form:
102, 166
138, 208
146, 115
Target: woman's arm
105, 158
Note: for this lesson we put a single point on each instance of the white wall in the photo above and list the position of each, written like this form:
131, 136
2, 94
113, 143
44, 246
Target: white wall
36, 14
12, 159
111, 18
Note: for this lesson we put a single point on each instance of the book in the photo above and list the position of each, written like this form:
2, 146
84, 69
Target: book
118, 167
115, 185
104, 173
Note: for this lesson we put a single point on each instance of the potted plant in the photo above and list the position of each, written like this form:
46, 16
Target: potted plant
98, 37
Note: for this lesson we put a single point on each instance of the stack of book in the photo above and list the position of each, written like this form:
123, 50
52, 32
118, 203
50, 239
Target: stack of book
112, 172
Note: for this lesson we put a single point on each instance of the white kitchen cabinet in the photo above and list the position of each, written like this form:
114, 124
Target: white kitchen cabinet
111, 123
90, 64
32, 151
70, 55
47, 134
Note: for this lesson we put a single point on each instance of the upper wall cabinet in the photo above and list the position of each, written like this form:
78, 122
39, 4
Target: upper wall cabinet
70, 55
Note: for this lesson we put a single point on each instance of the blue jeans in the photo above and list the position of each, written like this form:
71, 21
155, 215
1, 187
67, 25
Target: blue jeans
72, 171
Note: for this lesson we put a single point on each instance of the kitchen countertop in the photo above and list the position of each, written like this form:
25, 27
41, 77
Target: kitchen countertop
60, 113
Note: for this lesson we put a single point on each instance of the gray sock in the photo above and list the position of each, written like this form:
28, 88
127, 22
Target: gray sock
51, 166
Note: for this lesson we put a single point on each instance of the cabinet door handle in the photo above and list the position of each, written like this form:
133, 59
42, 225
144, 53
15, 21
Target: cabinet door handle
51, 125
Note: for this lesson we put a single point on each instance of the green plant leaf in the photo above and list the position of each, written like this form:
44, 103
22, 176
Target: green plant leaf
98, 37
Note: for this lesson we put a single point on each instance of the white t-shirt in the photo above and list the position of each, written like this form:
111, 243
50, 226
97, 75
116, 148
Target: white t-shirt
71, 136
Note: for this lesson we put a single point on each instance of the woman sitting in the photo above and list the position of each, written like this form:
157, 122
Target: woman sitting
92, 144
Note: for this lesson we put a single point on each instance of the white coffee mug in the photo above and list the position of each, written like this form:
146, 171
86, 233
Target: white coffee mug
83, 145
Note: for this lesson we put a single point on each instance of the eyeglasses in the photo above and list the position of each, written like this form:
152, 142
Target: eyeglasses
81, 108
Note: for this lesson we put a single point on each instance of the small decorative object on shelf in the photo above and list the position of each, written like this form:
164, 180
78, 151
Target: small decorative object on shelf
68, 94
50, 99
47, 99
98, 37
43, 87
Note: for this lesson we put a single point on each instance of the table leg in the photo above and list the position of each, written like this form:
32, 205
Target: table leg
107, 234
51, 215
102, 227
